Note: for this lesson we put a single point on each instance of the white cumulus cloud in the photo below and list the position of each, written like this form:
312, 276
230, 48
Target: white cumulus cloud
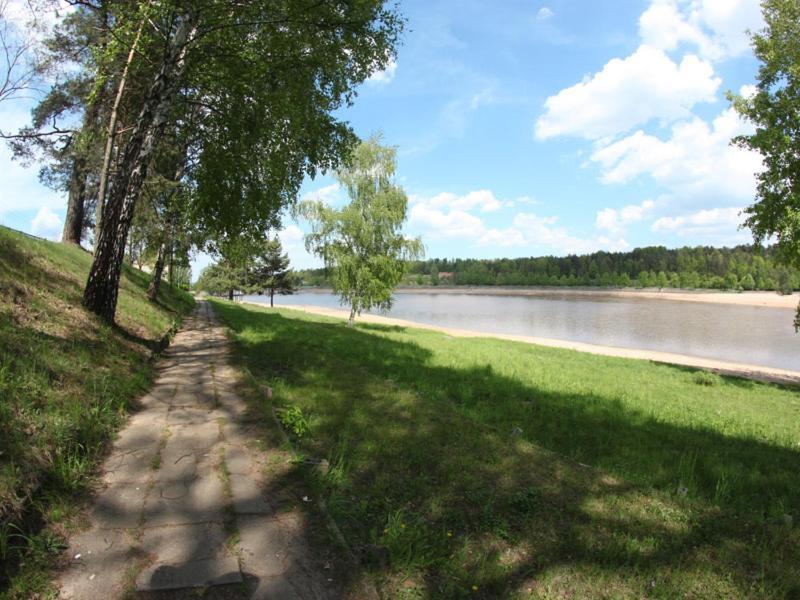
717, 29
447, 216
484, 200
696, 162
47, 224
442, 225
711, 222
628, 92
330, 194
614, 221
544, 231
384, 76
544, 13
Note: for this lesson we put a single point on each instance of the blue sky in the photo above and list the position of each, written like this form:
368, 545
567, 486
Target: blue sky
527, 128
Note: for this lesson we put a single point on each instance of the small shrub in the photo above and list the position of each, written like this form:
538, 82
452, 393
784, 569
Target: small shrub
294, 420
70, 468
411, 543
706, 378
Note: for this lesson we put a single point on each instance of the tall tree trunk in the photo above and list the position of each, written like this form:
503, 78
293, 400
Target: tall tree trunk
155, 283
271, 294
112, 134
170, 219
171, 267
73, 222
352, 319
76, 201
230, 294
102, 287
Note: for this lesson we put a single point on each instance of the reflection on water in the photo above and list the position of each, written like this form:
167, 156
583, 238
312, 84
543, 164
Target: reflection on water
746, 334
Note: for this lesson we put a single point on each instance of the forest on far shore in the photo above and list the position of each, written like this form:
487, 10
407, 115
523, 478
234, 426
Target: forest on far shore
701, 267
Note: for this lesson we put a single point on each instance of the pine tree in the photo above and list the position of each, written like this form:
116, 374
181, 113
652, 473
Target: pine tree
271, 273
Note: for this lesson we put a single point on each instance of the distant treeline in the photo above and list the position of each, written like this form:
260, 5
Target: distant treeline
739, 268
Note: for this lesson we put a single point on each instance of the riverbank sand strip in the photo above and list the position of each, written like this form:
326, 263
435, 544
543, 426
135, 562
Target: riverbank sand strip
766, 299
187, 498
756, 372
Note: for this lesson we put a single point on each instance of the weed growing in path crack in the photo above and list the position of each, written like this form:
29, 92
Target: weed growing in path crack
155, 462
229, 519
214, 385
141, 561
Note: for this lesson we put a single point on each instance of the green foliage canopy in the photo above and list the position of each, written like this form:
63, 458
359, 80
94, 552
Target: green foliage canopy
775, 111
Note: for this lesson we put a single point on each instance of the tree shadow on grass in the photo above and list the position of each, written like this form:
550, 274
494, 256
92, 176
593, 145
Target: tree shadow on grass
445, 466
384, 328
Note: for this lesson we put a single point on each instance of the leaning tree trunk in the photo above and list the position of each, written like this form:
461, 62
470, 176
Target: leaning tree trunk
352, 319
155, 283
102, 287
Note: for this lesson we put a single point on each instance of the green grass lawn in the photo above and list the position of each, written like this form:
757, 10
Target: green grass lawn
488, 468
66, 382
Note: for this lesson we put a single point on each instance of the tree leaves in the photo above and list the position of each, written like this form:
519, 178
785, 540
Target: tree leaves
362, 244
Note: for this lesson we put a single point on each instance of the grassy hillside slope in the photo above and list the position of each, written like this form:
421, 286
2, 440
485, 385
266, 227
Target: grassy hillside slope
495, 469
66, 382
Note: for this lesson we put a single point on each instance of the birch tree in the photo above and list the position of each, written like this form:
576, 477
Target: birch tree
774, 109
267, 76
362, 244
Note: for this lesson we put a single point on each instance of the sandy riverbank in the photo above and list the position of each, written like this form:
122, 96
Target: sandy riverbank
723, 367
768, 299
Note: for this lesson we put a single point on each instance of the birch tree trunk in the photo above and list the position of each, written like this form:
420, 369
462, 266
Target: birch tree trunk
102, 286
111, 137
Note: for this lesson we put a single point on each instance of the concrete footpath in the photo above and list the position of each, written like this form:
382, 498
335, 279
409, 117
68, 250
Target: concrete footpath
187, 498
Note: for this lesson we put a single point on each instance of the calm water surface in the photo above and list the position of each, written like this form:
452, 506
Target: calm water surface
746, 334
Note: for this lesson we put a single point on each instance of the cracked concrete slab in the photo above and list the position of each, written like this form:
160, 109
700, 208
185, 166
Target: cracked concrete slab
196, 500
164, 519
119, 506
97, 560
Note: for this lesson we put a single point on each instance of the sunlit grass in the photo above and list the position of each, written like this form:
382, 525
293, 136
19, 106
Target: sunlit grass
526, 471
66, 382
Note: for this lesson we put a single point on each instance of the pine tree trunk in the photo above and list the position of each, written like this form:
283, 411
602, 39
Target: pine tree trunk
76, 201
158, 270
102, 287
73, 222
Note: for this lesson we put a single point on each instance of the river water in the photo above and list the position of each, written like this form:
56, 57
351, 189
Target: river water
752, 335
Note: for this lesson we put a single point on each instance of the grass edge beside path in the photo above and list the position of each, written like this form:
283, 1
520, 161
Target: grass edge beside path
67, 382
488, 468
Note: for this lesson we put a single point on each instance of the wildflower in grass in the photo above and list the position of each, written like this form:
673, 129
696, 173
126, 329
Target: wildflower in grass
474, 588
449, 534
